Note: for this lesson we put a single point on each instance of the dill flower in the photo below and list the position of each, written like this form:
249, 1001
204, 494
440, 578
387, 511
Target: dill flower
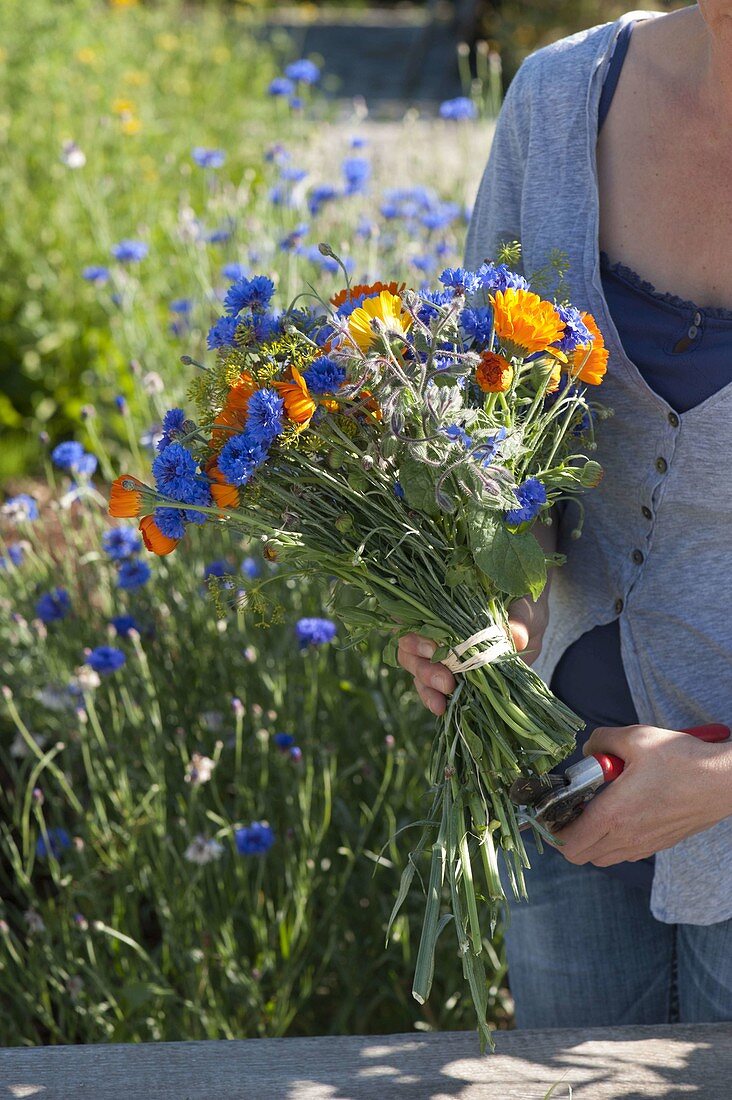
387, 308
53, 606
133, 574
494, 374
314, 632
525, 322
324, 375
106, 659
121, 543
256, 839
531, 495
588, 362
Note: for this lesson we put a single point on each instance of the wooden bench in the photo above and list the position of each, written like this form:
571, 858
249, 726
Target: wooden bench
598, 1064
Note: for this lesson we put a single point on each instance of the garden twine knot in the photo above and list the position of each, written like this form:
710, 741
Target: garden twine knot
495, 643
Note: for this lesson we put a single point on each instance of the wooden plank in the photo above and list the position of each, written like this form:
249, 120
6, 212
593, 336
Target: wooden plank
598, 1064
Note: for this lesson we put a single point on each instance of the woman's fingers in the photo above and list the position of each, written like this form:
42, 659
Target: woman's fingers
433, 700
433, 681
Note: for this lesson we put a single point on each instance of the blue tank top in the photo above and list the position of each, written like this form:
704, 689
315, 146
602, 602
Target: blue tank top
683, 352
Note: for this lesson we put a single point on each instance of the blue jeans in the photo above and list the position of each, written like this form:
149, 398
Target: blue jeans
585, 951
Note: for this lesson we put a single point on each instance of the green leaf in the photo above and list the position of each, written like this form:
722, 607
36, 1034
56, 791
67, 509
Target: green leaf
418, 482
514, 561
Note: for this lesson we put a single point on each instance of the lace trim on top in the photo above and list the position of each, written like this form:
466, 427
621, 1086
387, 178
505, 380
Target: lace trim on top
682, 304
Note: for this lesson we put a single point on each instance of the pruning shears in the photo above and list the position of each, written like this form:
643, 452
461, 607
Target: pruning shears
556, 799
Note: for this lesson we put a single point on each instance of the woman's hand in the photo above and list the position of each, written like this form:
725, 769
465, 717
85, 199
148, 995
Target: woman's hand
434, 682
672, 787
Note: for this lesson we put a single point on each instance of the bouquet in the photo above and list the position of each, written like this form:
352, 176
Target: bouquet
404, 445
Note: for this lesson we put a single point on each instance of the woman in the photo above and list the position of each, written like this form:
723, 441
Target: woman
614, 146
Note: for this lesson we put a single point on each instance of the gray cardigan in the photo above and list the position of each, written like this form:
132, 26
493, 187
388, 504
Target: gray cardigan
667, 578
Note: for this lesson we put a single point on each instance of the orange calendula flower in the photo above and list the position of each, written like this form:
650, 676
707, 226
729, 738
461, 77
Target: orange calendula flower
387, 307
588, 362
125, 497
367, 290
225, 495
525, 323
370, 404
494, 373
154, 538
554, 378
299, 405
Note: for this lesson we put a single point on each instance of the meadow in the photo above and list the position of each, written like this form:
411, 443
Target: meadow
200, 811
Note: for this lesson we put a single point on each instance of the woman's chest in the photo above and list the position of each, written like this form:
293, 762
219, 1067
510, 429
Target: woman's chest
665, 200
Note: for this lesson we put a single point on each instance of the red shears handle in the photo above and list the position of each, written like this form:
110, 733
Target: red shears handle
612, 766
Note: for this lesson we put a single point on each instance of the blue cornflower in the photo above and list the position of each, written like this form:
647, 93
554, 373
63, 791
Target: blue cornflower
130, 251
171, 522
223, 333
255, 840
181, 305
303, 71
105, 659
233, 271
208, 158
53, 606
459, 280
477, 325
458, 110
173, 422
457, 434
123, 624
324, 375
283, 740
296, 754
318, 196
96, 273
14, 556
440, 215
356, 171
266, 327
251, 568
239, 458
424, 263
489, 448
432, 298
217, 569
293, 175
531, 494
86, 465
21, 508
66, 455
398, 490
314, 632
58, 840
294, 237
281, 86
576, 331
218, 236
358, 142
176, 474
255, 293
133, 574
264, 416
121, 543
500, 277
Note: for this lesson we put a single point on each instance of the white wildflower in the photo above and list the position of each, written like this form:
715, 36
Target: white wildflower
19, 748
202, 851
34, 921
199, 769
72, 155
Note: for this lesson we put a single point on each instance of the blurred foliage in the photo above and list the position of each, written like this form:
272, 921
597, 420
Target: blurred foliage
518, 27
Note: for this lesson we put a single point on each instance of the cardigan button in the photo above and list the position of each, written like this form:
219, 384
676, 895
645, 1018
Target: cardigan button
661, 465
618, 606
647, 512
637, 557
673, 420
